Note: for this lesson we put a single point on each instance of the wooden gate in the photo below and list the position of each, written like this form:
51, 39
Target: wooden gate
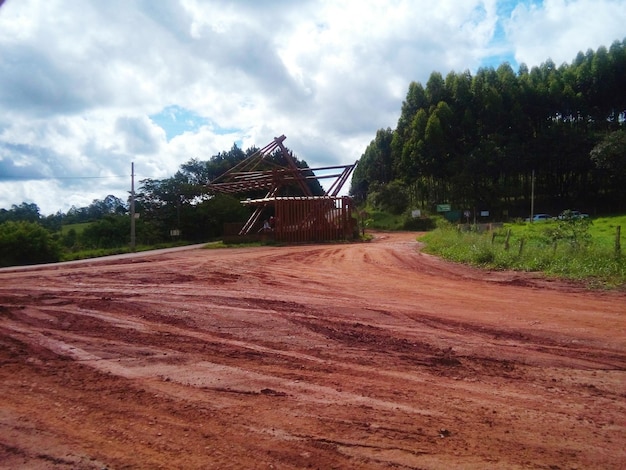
308, 219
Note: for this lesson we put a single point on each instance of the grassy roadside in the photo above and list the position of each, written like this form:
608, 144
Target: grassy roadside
100, 252
584, 252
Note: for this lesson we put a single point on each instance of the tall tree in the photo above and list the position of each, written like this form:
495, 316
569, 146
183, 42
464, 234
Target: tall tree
473, 138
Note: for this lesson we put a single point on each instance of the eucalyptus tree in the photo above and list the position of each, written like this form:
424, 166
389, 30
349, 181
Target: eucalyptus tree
375, 165
609, 158
492, 135
415, 101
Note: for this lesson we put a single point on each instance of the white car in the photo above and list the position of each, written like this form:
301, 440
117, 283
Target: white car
540, 217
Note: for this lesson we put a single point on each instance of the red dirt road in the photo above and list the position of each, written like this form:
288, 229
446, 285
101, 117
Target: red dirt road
321, 356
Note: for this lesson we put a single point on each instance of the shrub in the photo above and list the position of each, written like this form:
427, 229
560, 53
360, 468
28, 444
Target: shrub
573, 230
109, 232
419, 224
26, 243
391, 197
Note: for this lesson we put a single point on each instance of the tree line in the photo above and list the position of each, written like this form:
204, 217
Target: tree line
178, 208
492, 140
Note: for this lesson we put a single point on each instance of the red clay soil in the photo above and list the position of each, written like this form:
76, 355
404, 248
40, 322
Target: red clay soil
357, 356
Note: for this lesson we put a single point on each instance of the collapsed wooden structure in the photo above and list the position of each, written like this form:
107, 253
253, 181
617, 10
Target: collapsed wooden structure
293, 219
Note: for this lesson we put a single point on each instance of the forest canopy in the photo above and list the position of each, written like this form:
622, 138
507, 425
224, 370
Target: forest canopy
481, 141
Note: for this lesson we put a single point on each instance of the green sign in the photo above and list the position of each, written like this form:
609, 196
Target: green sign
443, 207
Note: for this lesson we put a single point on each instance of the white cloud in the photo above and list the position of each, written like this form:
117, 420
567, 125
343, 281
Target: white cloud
559, 29
84, 85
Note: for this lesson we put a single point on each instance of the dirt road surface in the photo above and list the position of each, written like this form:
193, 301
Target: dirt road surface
355, 356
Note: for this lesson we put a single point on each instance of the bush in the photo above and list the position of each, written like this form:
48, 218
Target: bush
26, 243
109, 232
419, 224
573, 230
391, 197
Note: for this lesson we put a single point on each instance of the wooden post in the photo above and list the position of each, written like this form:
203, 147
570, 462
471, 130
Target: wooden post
618, 244
506, 242
532, 196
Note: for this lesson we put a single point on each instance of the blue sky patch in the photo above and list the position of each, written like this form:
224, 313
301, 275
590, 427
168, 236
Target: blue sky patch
175, 120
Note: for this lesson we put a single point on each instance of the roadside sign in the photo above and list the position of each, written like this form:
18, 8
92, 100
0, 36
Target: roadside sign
443, 207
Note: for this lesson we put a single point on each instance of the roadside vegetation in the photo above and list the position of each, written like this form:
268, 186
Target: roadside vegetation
25, 243
173, 211
577, 249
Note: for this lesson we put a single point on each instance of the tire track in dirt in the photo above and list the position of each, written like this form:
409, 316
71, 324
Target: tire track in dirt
360, 356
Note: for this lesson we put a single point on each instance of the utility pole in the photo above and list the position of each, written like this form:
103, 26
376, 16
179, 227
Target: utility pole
132, 207
532, 196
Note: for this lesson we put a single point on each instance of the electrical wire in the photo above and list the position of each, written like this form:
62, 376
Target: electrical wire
50, 178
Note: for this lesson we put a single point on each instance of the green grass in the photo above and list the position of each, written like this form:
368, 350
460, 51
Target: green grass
379, 220
78, 228
221, 244
532, 247
603, 230
99, 252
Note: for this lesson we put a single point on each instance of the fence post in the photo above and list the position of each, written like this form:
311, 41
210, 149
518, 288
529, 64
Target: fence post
618, 245
521, 247
506, 242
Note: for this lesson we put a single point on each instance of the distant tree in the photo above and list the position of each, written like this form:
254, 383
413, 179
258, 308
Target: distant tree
435, 89
76, 215
375, 166
610, 154
183, 202
390, 197
111, 231
197, 172
25, 212
53, 222
415, 100
208, 217
409, 164
609, 157
70, 239
109, 205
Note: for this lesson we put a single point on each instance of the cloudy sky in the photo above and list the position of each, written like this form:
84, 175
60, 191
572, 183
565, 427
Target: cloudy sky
89, 86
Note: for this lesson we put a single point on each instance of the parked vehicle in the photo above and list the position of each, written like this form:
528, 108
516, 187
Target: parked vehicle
540, 217
569, 214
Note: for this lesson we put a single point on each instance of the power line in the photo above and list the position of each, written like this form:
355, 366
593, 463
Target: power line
51, 178
48, 178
